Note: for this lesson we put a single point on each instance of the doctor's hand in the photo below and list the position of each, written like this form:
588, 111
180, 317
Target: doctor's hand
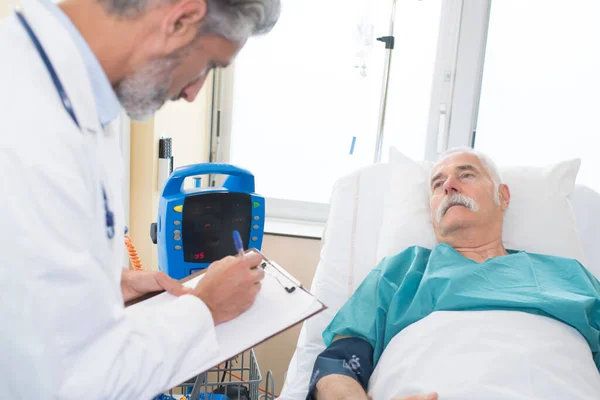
137, 283
229, 286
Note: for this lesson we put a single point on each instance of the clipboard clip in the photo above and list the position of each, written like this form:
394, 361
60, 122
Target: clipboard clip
276, 272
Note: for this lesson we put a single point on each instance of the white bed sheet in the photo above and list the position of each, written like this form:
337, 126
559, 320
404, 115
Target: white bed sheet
540, 357
349, 252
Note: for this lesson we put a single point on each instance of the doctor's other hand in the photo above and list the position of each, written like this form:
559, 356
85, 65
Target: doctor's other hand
229, 286
137, 283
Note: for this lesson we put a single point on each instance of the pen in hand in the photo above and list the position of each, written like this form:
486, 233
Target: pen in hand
239, 245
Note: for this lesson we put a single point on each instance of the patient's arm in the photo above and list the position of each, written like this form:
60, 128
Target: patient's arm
342, 370
339, 387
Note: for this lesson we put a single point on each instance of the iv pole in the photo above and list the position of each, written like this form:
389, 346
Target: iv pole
389, 46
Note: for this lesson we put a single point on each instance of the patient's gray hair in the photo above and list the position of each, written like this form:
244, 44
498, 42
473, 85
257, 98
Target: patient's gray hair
235, 20
486, 162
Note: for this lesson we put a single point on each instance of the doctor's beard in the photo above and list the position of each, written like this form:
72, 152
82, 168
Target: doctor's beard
146, 91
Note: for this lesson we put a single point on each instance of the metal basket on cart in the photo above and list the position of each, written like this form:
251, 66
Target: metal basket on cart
234, 380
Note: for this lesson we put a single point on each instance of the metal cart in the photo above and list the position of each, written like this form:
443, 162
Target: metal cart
236, 379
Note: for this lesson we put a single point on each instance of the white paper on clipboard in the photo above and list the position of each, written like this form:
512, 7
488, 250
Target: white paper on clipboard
274, 311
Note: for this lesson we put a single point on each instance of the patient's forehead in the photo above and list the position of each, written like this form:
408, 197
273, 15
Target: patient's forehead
448, 164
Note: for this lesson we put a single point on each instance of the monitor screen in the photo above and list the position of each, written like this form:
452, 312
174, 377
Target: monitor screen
209, 220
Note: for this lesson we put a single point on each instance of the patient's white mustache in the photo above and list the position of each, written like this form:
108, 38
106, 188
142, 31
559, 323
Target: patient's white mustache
454, 200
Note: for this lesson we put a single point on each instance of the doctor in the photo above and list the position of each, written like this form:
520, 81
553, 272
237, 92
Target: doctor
64, 332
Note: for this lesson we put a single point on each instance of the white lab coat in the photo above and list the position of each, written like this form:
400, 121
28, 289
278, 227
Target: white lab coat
63, 330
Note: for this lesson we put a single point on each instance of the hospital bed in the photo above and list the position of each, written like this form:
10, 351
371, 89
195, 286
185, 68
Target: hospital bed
349, 252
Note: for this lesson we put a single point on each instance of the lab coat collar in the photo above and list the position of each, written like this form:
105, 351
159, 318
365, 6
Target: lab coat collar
66, 60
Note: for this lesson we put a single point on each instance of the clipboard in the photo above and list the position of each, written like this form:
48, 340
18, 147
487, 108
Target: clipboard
281, 304
266, 263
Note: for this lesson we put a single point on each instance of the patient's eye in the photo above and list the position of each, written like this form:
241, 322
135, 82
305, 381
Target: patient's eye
437, 185
467, 175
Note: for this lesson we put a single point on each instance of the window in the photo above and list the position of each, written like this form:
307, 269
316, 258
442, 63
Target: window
299, 103
305, 99
540, 84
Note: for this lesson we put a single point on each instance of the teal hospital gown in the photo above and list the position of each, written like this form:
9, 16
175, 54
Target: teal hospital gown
407, 287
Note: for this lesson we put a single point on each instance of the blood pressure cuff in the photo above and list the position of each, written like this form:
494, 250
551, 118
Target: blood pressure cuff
352, 357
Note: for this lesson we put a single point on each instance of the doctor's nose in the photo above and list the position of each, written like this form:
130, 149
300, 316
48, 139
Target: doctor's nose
451, 186
190, 92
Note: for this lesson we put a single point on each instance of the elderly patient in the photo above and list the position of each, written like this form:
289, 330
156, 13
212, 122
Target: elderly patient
468, 271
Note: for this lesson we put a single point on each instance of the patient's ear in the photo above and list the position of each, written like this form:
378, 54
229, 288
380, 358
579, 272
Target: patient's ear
504, 193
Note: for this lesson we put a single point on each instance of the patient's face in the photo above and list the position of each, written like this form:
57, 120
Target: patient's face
462, 196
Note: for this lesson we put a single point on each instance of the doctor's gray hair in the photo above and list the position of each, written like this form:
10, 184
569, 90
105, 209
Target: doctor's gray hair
235, 20
486, 163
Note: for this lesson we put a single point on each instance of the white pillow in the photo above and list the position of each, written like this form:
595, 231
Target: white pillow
539, 219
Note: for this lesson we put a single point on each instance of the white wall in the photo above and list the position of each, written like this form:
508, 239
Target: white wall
188, 124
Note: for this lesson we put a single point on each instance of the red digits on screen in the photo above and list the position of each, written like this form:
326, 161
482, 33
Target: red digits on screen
199, 256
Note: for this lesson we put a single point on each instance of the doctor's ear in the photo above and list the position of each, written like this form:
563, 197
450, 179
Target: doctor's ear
181, 23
